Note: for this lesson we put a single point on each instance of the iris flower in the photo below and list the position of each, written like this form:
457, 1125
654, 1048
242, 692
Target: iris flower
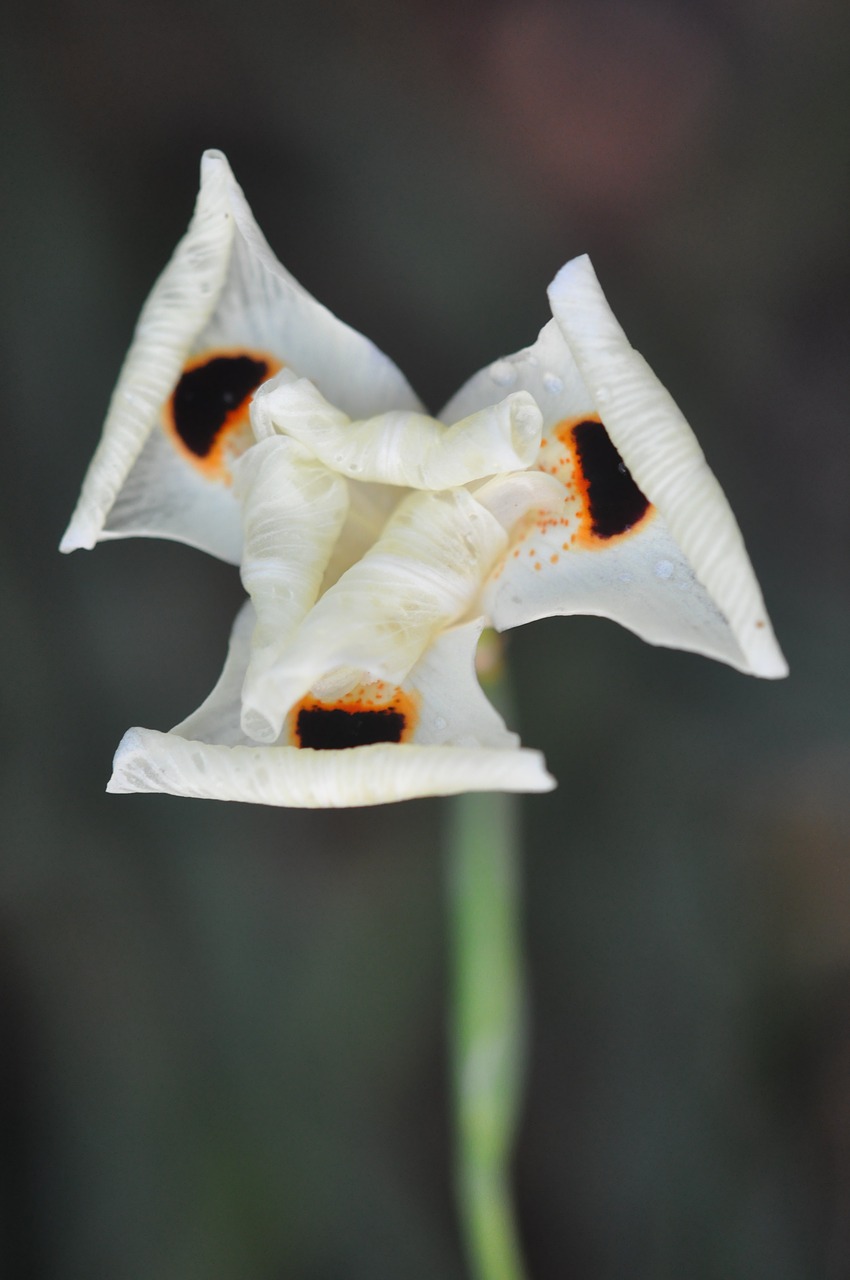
375, 542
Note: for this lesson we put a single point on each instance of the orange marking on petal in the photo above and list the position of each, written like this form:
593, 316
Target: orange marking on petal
207, 416
368, 714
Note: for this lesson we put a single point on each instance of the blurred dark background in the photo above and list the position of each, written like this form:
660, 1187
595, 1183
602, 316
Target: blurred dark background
222, 1028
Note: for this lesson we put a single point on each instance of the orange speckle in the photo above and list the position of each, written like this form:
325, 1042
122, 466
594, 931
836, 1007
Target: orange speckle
553, 559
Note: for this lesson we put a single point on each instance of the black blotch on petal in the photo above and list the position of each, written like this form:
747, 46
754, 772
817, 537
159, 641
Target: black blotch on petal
616, 503
205, 395
332, 729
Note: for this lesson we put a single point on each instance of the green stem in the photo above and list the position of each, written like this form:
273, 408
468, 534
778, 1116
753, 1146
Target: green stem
487, 1023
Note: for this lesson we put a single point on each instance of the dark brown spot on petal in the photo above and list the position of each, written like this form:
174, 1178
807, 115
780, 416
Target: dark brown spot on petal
207, 415
209, 393
333, 729
602, 504
370, 713
616, 503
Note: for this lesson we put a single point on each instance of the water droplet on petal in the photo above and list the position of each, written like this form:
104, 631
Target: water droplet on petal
503, 373
663, 569
440, 723
553, 384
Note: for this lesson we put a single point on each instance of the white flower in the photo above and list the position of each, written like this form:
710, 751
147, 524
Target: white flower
375, 542
221, 319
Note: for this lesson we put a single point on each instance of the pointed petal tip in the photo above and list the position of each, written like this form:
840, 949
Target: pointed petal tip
566, 276
77, 538
767, 660
212, 159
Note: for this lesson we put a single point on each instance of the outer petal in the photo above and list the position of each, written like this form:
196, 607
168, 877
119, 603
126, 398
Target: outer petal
402, 447
677, 573
662, 454
457, 743
177, 309
308, 779
223, 298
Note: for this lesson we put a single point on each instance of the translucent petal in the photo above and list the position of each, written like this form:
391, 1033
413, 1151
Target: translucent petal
663, 456
421, 575
293, 511
224, 302
402, 447
218, 719
546, 370
458, 742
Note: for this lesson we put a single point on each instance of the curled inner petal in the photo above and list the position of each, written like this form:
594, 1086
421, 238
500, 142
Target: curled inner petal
421, 575
403, 447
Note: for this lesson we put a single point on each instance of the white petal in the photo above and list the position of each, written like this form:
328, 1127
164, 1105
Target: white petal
217, 719
224, 296
402, 447
642, 580
665, 460
303, 778
546, 370
293, 510
177, 309
420, 576
454, 741
263, 306
454, 710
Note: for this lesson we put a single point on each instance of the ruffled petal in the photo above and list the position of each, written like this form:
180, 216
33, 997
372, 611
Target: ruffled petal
177, 309
435, 735
293, 510
660, 451
402, 447
223, 317
421, 575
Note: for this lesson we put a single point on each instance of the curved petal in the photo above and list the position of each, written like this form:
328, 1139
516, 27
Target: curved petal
263, 306
453, 741
545, 370
223, 317
218, 719
421, 575
177, 309
402, 447
663, 456
293, 511
308, 779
